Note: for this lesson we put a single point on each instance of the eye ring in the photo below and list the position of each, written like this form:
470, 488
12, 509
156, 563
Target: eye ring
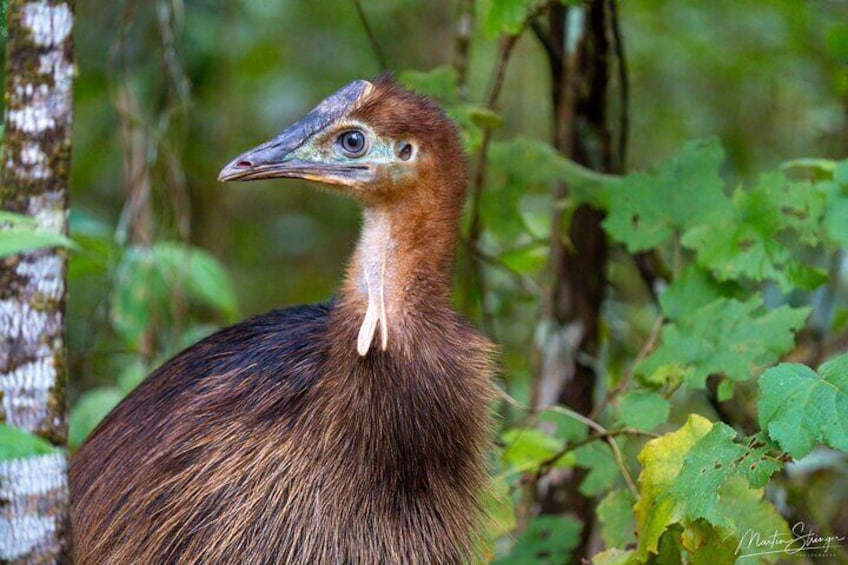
352, 143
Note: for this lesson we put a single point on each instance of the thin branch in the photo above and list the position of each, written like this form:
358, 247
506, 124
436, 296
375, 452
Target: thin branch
525, 283
506, 47
602, 433
462, 46
646, 350
372, 39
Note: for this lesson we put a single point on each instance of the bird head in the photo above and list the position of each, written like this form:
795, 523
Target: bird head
377, 142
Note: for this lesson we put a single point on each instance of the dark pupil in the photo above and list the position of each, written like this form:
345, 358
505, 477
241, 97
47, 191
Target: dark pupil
353, 141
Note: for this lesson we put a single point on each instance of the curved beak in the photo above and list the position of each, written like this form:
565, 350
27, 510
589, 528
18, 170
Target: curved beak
277, 158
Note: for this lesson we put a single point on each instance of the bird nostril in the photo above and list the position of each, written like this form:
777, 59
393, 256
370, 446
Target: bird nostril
244, 164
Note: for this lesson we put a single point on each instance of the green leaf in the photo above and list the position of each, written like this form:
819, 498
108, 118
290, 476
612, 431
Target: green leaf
439, 82
527, 448
800, 408
131, 376
618, 524
526, 259
17, 220
597, 457
484, 118
643, 409
726, 337
836, 210
691, 290
89, 410
661, 461
753, 519
546, 539
706, 467
823, 166
748, 241
615, 556
508, 16
698, 478
16, 443
20, 239
139, 295
647, 209
200, 273
147, 278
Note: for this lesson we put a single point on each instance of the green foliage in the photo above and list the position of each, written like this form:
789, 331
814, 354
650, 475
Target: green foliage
142, 296
507, 16
750, 242
527, 448
615, 513
647, 209
699, 479
643, 409
20, 233
16, 443
546, 539
87, 412
726, 337
800, 407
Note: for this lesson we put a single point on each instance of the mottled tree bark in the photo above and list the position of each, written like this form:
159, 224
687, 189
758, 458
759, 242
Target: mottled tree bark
581, 45
34, 523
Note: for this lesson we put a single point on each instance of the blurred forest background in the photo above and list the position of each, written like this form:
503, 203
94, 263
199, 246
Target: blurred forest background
170, 90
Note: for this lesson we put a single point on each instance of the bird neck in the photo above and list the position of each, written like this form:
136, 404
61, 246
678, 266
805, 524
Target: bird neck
403, 264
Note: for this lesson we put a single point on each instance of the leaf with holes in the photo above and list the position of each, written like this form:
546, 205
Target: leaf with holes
647, 209
726, 337
749, 241
698, 477
800, 407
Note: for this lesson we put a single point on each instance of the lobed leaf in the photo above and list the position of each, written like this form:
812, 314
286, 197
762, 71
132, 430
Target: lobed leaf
747, 241
726, 337
646, 209
800, 407
699, 479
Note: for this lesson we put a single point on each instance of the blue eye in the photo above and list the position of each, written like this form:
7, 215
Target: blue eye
352, 143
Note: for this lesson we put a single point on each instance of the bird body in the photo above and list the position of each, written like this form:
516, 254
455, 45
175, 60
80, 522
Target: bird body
351, 432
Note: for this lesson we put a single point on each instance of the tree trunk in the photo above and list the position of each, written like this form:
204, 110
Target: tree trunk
582, 49
34, 522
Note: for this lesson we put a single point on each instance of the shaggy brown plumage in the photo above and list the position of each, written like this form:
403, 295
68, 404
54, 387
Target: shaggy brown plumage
275, 441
